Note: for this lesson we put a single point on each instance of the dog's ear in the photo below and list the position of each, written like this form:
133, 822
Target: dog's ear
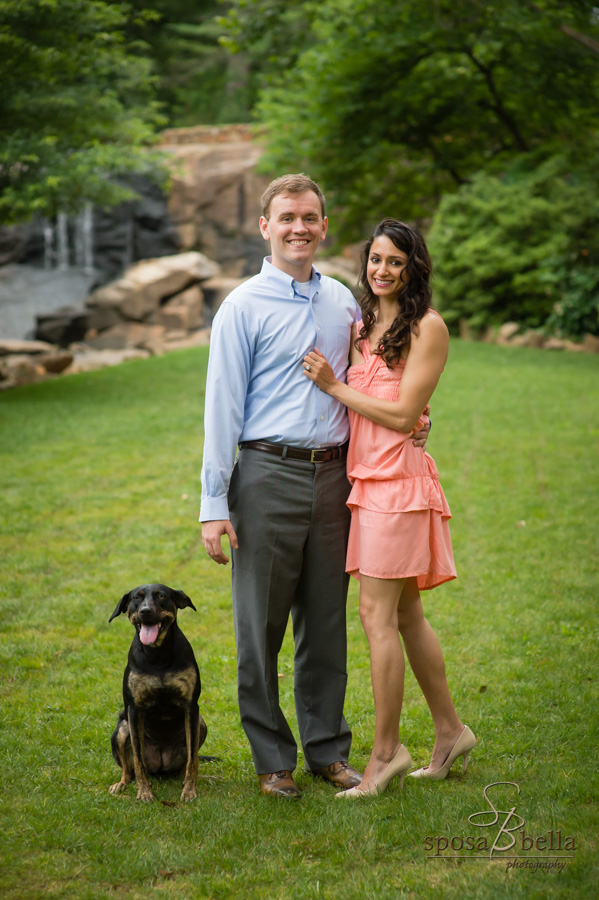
121, 606
182, 600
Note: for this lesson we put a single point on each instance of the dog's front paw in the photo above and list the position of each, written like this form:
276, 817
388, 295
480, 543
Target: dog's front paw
117, 788
189, 792
145, 794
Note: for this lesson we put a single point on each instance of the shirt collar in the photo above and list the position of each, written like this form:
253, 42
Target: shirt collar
277, 275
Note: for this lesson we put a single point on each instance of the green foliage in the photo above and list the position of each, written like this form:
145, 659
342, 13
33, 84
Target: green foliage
100, 480
198, 81
520, 247
75, 106
272, 34
212, 57
577, 311
392, 105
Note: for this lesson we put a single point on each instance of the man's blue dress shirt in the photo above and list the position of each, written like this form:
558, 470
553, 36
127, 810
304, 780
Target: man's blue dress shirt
256, 388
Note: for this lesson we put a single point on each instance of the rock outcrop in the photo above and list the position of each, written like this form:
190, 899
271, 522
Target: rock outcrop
26, 362
157, 306
213, 206
510, 334
150, 283
214, 200
151, 299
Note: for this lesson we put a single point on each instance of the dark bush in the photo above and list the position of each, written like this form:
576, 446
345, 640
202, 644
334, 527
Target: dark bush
521, 247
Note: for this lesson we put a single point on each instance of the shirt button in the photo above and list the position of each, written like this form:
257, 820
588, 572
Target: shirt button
322, 418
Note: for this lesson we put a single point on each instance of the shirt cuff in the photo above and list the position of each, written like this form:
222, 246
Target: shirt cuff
212, 508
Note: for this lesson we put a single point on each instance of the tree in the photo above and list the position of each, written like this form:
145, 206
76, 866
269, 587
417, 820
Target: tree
393, 105
211, 57
76, 106
271, 34
198, 81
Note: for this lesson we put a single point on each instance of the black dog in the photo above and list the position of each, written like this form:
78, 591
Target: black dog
160, 729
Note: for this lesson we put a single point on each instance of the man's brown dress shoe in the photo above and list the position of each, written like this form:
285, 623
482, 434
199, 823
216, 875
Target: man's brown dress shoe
339, 774
279, 784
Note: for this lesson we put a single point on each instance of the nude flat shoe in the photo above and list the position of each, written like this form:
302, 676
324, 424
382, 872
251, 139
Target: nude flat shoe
399, 765
462, 747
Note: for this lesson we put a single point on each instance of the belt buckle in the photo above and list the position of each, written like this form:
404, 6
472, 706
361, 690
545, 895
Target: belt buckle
312, 456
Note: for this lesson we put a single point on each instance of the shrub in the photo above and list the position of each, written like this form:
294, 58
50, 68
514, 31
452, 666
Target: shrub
521, 246
577, 312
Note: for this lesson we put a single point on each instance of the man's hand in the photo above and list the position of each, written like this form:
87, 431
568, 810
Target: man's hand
212, 533
421, 437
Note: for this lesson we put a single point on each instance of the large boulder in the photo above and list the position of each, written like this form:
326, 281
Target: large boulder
10, 346
183, 312
62, 326
27, 362
144, 285
162, 293
86, 360
507, 332
126, 335
20, 369
57, 362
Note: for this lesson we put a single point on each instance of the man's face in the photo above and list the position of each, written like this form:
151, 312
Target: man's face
295, 228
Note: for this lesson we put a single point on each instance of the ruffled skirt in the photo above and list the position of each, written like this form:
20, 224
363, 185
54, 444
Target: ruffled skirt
405, 544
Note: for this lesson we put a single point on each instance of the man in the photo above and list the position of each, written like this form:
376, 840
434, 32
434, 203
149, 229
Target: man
282, 501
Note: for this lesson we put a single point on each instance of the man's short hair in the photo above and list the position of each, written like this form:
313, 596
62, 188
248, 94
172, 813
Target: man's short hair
290, 184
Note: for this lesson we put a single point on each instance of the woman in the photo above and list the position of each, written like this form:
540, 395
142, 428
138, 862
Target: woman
399, 540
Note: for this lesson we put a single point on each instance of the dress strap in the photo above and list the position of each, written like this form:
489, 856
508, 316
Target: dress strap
365, 349
371, 361
364, 345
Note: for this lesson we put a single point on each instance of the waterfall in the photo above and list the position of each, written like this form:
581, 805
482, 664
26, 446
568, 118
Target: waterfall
58, 237
62, 234
84, 239
129, 244
48, 245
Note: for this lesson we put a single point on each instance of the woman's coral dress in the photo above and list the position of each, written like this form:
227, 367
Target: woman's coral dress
400, 517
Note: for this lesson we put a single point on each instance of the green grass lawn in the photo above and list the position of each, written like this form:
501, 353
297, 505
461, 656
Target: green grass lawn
100, 485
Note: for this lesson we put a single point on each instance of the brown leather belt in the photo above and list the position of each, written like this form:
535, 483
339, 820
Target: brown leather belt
324, 454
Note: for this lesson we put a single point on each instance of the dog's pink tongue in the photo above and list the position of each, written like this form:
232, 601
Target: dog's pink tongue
148, 634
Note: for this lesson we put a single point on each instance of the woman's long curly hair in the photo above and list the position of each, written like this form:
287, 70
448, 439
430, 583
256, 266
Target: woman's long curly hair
414, 299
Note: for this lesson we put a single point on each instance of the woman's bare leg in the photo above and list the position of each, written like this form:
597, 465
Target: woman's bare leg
379, 600
426, 660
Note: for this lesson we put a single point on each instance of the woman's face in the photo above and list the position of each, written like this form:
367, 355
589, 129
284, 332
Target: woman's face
386, 262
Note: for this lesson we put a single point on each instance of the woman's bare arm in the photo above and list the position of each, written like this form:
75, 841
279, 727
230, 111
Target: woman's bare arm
424, 365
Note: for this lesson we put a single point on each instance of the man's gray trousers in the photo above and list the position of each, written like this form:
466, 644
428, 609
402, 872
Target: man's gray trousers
292, 524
